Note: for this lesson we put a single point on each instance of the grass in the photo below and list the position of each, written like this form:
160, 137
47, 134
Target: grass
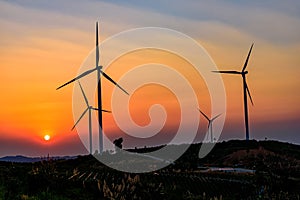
86, 178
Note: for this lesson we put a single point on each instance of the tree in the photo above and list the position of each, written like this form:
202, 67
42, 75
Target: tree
118, 143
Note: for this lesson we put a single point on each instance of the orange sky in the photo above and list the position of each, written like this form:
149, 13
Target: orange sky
37, 55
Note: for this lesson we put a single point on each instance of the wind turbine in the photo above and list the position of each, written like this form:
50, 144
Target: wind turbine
245, 89
89, 108
210, 124
97, 68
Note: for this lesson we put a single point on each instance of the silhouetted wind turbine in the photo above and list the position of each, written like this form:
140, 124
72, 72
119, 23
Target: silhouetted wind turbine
99, 72
89, 108
245, 89
210, 124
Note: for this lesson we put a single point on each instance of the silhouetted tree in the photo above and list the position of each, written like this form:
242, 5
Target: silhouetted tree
118, 143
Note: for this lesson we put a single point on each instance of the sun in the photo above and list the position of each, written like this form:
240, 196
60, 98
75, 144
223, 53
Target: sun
47, 137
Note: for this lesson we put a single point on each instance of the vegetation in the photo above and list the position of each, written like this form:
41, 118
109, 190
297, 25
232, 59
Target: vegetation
277, 176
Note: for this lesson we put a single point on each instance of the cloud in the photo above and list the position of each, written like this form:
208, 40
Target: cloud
215, 18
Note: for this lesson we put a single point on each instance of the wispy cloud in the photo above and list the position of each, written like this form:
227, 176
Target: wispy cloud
267, 21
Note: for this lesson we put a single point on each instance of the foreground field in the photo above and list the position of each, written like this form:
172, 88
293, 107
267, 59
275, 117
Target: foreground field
276, 165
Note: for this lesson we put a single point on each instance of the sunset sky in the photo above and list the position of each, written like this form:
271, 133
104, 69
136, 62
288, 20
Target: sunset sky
43, 44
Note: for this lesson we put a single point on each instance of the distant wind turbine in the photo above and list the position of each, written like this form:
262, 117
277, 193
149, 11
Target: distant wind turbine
210, 124
245, 89
89, 108
97, 68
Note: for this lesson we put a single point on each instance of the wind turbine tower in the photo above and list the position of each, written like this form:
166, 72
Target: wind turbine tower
210, 124
89, 108
100, 72
246, 91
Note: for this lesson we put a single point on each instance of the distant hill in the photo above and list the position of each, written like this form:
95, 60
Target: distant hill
234, 153
273, 157
24, 159
246, 153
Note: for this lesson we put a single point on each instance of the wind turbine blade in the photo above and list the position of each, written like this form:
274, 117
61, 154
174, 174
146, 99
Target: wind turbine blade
102, 110
86, 100
246, 62
97, 46
106, 111
78, 77
227, 72
204, 114
216, 117
80, 118
111, 80
248, 91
